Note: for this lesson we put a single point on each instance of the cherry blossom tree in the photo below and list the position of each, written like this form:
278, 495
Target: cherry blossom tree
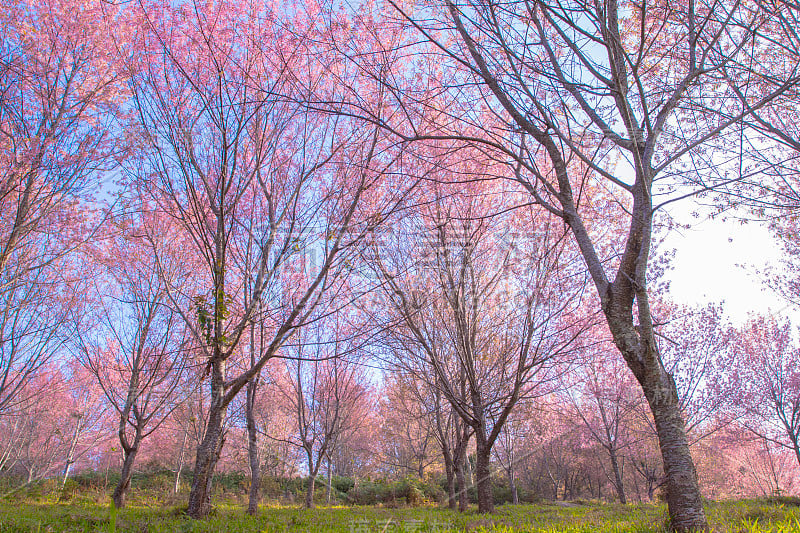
85, 413
762, 381
603, 399
326, 390
137, 349
464, 317
55, 426
584, 97
407, 430
235, 156
58, 92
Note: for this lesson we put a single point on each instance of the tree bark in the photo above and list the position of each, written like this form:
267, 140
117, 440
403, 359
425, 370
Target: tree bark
637, 344
329, 488
252, 448
512, 483
612, 452
461, 486
310, 491
451, 482
180, 462
121, 490
459, 461
683, 492
468, 471
483, 473
209, 449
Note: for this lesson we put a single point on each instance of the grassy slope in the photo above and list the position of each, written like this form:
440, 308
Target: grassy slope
742, 516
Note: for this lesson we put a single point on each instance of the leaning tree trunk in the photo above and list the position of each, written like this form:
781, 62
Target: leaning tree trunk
121, 490
180, 462
71, 453
209, 449
637, 344
618, 485
683, 490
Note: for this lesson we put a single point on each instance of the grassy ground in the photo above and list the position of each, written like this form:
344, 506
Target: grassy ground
88, 515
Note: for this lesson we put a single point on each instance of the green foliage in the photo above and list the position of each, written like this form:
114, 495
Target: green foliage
402, 505
343, 484
784, 500
757, 516
408, 491
69, 491
205, 314
205, 318
112, 519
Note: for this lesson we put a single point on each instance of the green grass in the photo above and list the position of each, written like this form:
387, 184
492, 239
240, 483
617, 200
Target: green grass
89, 515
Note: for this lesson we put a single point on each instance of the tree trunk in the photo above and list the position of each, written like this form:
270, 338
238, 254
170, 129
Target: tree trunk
612, 452
180, 462
459, 461
683, 490
71, 453
451, 482
483, 474
638, 347
512, 482
121, 491
252, 448
461, 486
330, 482
468, 471
208, 450
310, 491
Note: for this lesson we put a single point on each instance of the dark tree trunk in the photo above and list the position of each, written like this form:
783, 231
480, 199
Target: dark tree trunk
447, 455
206, 462
252, 448
121, 490
209, 449
459, 461
310, 492
451, 483
683, 491
461, 486
483, 475
637, 344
